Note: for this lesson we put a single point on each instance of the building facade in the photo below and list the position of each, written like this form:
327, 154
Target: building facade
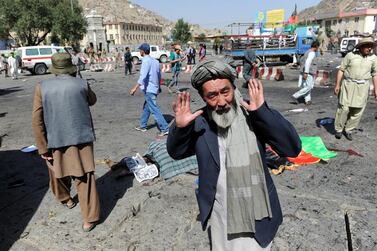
360, 21
96, 33
122, 33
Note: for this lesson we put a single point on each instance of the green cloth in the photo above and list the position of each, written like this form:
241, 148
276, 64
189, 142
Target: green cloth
316, 147
169, 167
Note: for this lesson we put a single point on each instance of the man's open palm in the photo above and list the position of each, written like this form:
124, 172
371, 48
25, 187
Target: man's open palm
255, 94
183, 114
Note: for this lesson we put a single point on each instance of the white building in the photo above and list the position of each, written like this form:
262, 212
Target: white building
358, 21
96, 33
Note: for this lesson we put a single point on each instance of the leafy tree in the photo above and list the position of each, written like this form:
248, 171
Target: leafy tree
181, 31
69, 24
201, 38
33, 21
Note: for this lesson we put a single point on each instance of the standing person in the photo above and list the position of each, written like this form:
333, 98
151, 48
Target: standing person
176, 65
202, 52
128, 61
5, 65
64, 134
1, 63
357, 71
308, 70
250, 66
193, 61
76, 61
236, 195
149, 83
13, 66
189, 54
117, 57
221, 48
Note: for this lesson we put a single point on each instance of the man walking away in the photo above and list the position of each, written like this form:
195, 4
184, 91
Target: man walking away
236, 195
176, 63
76, 61
308, 70
128, 61
149, 83
64, 134
357, 71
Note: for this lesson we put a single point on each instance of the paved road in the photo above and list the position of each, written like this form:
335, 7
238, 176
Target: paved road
162, 216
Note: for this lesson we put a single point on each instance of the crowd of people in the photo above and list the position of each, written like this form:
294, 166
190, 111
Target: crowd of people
237, 199
10, 64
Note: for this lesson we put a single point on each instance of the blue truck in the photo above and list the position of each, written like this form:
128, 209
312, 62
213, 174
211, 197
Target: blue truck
271, 48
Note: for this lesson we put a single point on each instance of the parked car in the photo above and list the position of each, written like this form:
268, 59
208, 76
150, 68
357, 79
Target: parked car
348, 44
161, 55
37, 59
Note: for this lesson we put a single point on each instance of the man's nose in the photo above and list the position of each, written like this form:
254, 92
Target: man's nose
221, 102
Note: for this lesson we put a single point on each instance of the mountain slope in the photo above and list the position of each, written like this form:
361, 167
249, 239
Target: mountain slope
126, 11
331, 6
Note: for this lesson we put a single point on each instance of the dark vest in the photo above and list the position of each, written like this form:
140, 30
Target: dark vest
66, 111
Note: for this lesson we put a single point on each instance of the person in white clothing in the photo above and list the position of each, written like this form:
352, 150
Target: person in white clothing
13, 67
308, 70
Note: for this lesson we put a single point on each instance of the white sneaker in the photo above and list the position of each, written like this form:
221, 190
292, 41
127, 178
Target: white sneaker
162, 134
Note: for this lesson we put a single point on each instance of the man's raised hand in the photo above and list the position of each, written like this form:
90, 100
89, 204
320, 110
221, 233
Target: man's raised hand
183, 114
255, 94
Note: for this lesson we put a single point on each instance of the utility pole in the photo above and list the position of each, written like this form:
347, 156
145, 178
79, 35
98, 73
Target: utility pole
72, 6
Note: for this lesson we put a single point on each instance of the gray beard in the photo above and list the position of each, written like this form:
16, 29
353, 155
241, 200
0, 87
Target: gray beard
223, 120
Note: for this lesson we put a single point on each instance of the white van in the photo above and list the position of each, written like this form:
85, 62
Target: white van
348, 44
37, 59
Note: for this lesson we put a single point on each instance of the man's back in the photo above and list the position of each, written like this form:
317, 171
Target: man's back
66, 111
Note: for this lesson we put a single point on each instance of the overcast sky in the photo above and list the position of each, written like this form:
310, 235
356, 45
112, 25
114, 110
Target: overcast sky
217, 13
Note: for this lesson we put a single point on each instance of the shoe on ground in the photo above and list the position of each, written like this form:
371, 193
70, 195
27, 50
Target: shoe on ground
69, 203
294, 100
348, 136
162, 134
140, 129
338, 135
88, 229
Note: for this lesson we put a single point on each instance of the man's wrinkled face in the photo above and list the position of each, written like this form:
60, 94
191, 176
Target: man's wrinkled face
219, 96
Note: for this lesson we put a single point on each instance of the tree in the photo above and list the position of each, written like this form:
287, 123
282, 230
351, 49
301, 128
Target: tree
181, 31
32, 21
201, 38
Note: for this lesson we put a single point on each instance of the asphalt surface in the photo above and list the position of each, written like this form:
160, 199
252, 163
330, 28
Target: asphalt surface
163, 215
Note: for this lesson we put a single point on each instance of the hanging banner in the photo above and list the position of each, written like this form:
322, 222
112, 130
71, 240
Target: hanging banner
275, 18
260, 17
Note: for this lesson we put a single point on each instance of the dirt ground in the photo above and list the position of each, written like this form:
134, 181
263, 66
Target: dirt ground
163, 215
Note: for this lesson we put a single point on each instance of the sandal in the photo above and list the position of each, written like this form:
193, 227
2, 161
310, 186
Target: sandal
88, 229
69, 204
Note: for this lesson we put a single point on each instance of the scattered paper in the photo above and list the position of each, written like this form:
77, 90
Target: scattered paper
141, 169
299, 110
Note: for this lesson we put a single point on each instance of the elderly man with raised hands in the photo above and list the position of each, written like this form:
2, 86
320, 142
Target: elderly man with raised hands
236, 195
